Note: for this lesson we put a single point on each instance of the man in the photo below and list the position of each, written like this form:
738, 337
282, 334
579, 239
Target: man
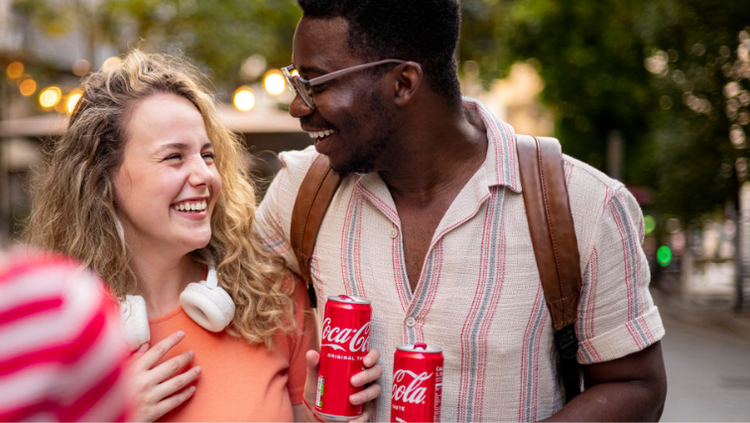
429, 224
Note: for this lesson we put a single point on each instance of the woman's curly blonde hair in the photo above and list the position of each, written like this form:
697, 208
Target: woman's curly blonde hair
73, 194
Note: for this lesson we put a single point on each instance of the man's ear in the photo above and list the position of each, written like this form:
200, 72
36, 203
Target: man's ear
407, 82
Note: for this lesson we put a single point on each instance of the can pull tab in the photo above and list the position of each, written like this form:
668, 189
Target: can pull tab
421, 345
346, 297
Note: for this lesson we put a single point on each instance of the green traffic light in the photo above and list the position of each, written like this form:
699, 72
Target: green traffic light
664, 256
649, 224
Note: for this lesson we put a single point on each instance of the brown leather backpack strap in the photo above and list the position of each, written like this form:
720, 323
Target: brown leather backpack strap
313, 198
545, 196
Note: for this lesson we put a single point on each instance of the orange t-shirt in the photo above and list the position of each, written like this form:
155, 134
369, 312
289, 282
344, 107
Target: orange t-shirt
240, 382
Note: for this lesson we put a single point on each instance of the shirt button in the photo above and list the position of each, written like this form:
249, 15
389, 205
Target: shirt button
410, 321
394, 233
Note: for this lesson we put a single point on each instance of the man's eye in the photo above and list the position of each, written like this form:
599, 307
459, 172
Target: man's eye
173, 157
318, 88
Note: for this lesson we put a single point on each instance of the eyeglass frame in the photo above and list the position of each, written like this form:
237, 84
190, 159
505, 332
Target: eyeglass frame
293, 81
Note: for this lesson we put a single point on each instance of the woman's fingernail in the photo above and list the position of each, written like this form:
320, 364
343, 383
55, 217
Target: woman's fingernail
354, 399
197, 369
355, 380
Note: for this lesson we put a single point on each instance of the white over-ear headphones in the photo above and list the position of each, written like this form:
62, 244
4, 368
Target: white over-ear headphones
205, 302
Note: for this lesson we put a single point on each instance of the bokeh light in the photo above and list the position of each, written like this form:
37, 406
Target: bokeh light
274, 82
664, 256
649, 224
49, 97
27, 87
15, 70
81, 67
73, 98
244, 99
111, 63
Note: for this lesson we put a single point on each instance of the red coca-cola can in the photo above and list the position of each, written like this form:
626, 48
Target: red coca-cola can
344, 344
417, 383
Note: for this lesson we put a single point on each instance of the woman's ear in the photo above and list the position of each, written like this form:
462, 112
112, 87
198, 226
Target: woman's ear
407, 82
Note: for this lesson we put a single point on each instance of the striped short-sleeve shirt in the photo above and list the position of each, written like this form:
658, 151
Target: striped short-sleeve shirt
479, 296
62, 355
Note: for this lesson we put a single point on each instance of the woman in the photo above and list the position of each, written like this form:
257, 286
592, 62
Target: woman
146, 186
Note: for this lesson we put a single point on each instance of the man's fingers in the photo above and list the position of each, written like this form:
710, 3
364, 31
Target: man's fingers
155, 353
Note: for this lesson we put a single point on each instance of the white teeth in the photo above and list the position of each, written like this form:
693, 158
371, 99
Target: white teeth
198, 206
320, 134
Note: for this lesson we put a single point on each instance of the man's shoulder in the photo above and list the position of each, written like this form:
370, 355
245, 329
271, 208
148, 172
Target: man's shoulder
298, 161
582, 175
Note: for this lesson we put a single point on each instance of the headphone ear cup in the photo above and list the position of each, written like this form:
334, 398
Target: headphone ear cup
212, 308
134, 319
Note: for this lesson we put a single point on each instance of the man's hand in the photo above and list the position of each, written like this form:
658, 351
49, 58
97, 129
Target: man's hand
368, 376
157, 390
631, 388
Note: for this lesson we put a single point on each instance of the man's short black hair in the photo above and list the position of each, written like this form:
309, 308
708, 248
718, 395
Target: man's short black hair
424, 31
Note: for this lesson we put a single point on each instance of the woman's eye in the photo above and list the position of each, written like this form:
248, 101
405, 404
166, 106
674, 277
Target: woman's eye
173, 157
209, 156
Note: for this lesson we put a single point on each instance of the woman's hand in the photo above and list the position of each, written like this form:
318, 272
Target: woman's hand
366, 377
157, 390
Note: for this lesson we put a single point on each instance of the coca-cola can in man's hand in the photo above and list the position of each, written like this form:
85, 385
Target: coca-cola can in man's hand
344, 344
417, 384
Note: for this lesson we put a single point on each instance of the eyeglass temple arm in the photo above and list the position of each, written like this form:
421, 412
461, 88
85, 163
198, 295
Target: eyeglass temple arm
335, 74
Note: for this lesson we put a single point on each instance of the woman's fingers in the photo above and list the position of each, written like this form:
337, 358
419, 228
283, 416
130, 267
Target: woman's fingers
177, 383
366, 395
365, 416
367, 376
170, 367
170, 403
148, 359
372, 357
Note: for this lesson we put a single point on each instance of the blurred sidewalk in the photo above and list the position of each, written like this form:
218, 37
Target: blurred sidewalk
716, 316
707, 358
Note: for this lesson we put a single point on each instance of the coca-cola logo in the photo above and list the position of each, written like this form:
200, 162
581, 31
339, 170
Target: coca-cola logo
335, 337
415, 391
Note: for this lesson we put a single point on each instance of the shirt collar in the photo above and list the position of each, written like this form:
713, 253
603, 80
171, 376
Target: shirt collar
501, 163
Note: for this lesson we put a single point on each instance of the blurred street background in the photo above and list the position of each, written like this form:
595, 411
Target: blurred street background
656, 93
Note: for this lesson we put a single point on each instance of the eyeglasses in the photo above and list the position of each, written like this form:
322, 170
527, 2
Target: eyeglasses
303, 87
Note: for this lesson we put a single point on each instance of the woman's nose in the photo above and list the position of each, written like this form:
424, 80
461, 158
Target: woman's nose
201, 173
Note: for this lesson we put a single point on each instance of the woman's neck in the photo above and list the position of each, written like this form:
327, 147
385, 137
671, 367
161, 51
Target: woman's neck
161, 282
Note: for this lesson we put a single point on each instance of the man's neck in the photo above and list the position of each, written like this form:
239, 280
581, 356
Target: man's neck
439, 157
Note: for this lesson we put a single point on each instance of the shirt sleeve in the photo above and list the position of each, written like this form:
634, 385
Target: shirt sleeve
617, 315
303, 339
63, 355
273, 219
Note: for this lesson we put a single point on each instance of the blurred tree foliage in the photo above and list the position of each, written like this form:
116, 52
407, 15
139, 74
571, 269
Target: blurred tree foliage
219, 35
668, 76
655, 71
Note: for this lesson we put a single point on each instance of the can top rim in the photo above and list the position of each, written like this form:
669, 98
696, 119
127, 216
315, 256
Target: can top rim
414, 348
348, 299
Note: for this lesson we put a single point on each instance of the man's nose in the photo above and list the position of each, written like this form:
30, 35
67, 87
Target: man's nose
299, 108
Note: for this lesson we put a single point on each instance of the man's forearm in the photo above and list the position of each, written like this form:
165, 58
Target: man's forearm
632, 388
617, 401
